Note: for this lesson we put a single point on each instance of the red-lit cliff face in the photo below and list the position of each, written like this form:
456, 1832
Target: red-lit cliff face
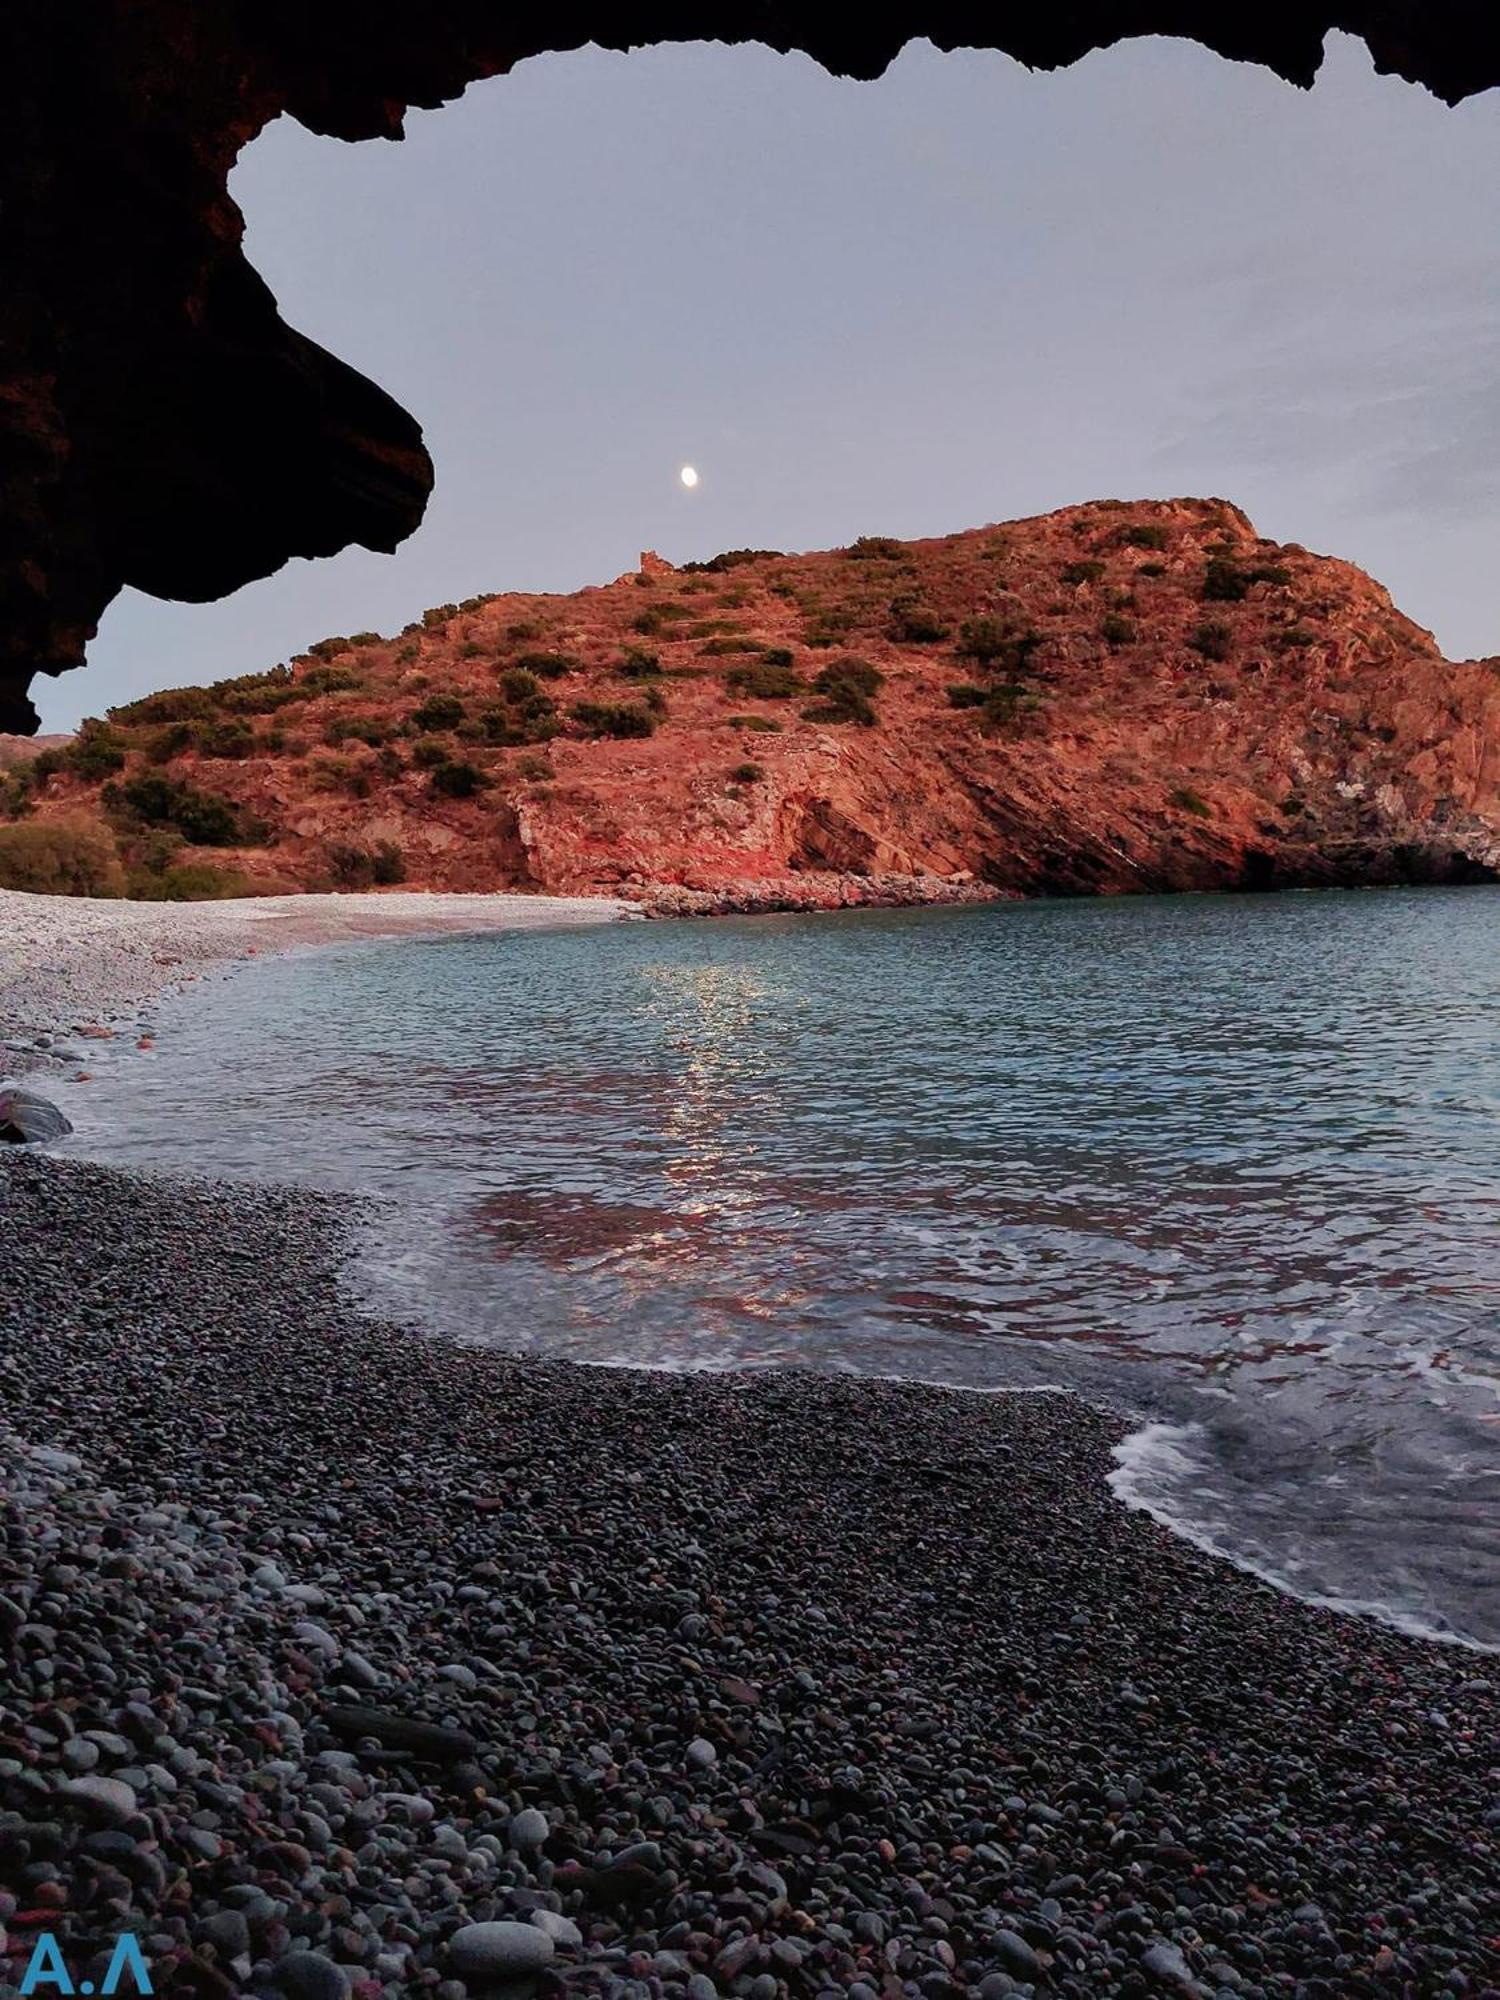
1106, 699
162, 426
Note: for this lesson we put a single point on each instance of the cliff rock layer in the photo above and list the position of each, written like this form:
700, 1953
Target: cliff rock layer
160, 423
1113, 697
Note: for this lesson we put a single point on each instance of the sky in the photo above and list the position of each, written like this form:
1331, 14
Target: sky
956, 295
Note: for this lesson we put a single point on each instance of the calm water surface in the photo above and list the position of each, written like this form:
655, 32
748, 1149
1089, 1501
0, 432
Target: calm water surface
1231, 1162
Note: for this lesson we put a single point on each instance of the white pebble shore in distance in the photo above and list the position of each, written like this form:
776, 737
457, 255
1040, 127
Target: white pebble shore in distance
70, 960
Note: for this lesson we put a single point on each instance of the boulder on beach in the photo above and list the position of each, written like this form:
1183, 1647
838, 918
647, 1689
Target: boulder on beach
27, 1120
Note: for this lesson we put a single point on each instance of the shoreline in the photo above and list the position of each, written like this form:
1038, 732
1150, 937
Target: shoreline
766, 1686
815, 1684
93, 967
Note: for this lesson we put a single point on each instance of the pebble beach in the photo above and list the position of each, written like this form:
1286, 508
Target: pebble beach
338, 1659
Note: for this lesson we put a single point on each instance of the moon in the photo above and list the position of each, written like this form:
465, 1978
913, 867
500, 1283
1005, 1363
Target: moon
689, 476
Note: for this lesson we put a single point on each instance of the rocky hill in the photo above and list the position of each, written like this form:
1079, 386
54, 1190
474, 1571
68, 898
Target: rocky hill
1114, 697
22, 749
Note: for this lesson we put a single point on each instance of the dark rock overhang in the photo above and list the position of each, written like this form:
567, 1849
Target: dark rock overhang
160, 423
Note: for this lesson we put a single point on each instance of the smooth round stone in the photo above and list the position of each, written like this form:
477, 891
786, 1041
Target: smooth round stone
562, 1930
529, 1828
499, 1950
307, 1975
109, 1799
702, 1754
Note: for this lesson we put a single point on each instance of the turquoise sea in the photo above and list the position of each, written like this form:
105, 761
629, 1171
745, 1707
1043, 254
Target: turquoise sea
1229, 1163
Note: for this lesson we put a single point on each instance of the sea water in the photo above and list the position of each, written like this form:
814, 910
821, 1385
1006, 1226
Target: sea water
1231, 1164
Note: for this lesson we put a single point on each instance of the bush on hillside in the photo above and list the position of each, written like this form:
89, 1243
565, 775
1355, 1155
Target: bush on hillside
915, 624
846, 686
548, 666
730, 559
439, 711
202, 819
60, 857
457, 780
764, 680
996, 643
602, 718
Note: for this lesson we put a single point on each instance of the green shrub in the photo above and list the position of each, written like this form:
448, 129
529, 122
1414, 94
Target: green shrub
1214, 639
229, 739
759, 725
15, 791
329, 680
438, 614
846, 686
457, 780
1088, 571
914, 624
258, 694
731, 559
1151, 569
343, 774
97, 751
548, 666
637, 664
471, 650
373, 730
188, 882
535, 770
478, 603
747, 774
329, 649
202, 819
997, 643
1117, 631
189, 704
828, 624
1189, 801
353, 867
518, 684
1141, 536
1224, 582
764, 681
406, 654
366, 639
60, 857
875, 548
165, 744
440, 711
964, 694
428, 752
656, 617
599, 718
730, 642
